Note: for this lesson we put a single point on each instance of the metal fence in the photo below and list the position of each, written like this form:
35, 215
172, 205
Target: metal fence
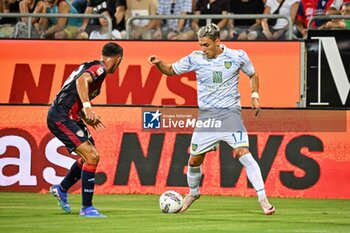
162, 17
325, 17
56, 15
210, 17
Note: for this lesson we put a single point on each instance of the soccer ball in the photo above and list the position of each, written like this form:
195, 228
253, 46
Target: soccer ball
170, 202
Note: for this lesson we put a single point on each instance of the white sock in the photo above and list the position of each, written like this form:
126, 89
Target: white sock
194, 175
254, 174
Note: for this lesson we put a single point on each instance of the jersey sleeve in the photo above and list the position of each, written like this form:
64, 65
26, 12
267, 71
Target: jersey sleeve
96, 71
184, 65
246, 64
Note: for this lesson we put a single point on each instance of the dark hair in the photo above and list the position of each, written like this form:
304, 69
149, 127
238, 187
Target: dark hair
112, 49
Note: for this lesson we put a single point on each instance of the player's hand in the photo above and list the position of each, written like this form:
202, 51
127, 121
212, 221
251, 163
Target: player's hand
256, 106
153, 59
97, 123
99, 126
90, 116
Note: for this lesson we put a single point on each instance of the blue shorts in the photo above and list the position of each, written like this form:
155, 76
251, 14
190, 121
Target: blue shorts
71, 133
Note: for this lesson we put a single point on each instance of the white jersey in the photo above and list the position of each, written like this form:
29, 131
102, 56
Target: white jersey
217, 79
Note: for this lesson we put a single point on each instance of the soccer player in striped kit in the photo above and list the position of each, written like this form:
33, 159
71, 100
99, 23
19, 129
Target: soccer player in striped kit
67, 116
217, 70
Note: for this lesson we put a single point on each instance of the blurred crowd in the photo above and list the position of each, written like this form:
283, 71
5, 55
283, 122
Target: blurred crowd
120, 11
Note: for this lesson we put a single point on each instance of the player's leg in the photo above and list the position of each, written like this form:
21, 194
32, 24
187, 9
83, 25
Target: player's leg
68, 132
88, 151
238, 139
60, 190
72, 134
201, 143
194, 176
74, 174
194, 173
240, 142
255, 177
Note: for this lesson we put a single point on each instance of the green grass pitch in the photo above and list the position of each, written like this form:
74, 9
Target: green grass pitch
29, 212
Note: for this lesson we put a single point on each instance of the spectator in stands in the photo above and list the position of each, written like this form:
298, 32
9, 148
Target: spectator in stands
61, 28
31, 6
340, 23
307, 9
140, 29
208, 7
276, 29
245, 29
80, 5
93, 6
9, 6
171, 28
335, 7
102, 32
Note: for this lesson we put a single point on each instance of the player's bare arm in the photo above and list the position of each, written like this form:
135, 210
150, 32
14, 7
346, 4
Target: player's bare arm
165, 68
254, 84
82, 84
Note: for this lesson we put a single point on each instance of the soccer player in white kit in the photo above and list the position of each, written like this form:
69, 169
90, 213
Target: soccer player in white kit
217, 70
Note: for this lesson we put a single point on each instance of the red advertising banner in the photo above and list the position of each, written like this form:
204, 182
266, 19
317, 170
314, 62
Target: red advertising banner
34, 71
300, 154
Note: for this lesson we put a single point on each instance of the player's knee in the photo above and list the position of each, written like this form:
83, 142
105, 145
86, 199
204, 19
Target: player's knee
92, 157
95, 157
193, 164
241, 151
195, 161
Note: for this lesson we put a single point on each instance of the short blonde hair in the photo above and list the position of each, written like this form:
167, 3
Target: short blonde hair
212, 31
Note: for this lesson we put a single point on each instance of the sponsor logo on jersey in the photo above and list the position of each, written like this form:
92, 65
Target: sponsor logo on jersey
217, 77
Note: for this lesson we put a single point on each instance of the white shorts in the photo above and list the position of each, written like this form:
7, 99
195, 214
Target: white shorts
232, 131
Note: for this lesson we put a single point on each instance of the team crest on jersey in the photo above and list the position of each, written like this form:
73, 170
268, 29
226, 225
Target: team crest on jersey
228, 64
194, 146
99, 71
80, 133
